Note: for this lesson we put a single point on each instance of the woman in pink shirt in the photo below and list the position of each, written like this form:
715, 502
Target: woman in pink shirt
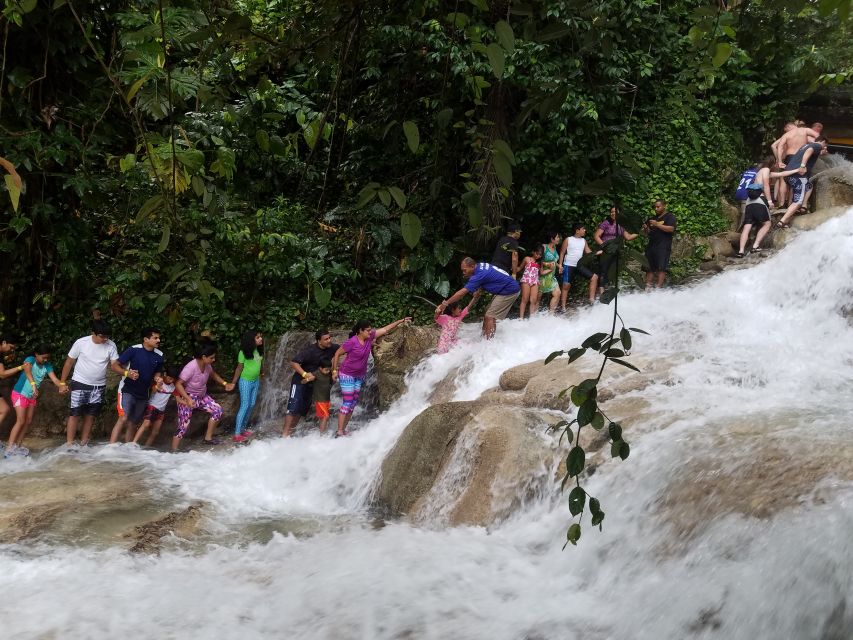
354, 369
191, 389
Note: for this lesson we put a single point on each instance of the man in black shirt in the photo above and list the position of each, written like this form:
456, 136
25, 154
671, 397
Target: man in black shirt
301, 390
661, 228
506, 253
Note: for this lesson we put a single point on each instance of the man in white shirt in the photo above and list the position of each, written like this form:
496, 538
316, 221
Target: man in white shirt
89, 356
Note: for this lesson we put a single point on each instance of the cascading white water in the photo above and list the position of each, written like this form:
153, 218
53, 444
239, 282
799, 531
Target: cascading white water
758, 368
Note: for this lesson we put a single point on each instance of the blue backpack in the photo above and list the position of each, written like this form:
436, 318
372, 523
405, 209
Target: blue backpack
746, 179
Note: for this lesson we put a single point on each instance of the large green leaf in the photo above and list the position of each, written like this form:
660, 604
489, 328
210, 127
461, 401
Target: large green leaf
410, 226
398, 195
497, 59
263, 139
323, 295
722, 52
577, 500
575, 461
503, 169
413, 137
505, 36
164, 239
500, 146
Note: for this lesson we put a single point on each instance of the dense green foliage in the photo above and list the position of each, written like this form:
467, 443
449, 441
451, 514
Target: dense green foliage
210, 166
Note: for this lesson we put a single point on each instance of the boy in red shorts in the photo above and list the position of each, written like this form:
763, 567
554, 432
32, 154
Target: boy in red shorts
323, 392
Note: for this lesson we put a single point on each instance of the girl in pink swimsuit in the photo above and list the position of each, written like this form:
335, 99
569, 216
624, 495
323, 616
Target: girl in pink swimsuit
530, 281
450, 321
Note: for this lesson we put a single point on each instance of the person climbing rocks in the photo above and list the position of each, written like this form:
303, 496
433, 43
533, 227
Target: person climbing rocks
800, 181
757, 212
492, 280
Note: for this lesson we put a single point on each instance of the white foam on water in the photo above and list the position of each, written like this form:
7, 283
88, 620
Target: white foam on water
768, 346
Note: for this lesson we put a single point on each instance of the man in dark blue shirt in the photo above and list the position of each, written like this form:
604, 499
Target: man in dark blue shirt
800, 183
140, 365
491, 279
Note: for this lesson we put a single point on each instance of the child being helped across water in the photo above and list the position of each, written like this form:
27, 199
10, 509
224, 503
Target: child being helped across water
449, 319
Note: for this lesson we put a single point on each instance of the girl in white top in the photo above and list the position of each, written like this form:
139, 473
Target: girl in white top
574, 247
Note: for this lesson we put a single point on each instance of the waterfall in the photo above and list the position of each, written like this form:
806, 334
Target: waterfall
731, 519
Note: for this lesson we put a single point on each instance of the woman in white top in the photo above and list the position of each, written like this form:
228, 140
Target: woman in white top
574, 247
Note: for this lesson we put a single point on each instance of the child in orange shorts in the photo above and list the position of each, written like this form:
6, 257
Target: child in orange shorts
323, 392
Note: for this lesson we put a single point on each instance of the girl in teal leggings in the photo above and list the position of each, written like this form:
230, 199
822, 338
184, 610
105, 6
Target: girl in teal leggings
248, 376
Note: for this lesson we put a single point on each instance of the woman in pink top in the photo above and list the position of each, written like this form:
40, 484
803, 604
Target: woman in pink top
354, 369
191, 389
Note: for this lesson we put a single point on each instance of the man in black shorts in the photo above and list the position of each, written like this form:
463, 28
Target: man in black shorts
661, 228
756, 212
506, 252
301, 388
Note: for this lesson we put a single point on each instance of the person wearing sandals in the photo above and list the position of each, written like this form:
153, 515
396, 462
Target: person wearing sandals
247, 377
757, 212
661, 229
802, 164
191, 388
352, 372
548, 273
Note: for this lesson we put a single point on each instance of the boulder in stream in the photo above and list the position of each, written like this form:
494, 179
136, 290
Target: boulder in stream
468, 463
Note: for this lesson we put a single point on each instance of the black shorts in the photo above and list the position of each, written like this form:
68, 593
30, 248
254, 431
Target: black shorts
300, 399
658, 257
86, 400
751, 218
570, 272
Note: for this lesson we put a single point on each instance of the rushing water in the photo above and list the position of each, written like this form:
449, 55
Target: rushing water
754, 398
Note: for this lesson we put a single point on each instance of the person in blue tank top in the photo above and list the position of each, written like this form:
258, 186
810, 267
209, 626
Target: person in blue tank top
490, 279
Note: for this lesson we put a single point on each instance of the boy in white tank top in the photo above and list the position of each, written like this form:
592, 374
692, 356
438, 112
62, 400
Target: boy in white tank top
574, 247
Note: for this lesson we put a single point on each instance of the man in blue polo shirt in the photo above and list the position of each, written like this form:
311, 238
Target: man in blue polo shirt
139, 366
491, 279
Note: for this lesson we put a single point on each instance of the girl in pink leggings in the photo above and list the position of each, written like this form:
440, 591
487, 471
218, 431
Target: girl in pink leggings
191, 388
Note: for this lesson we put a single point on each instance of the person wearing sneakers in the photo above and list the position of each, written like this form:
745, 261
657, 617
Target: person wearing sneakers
141, 366
191, 387
574, 248
757, 212
90, 356
247, 376
301, 387
35, 369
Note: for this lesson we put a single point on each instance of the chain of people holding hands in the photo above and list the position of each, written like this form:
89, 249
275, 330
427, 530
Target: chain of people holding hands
547, 272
